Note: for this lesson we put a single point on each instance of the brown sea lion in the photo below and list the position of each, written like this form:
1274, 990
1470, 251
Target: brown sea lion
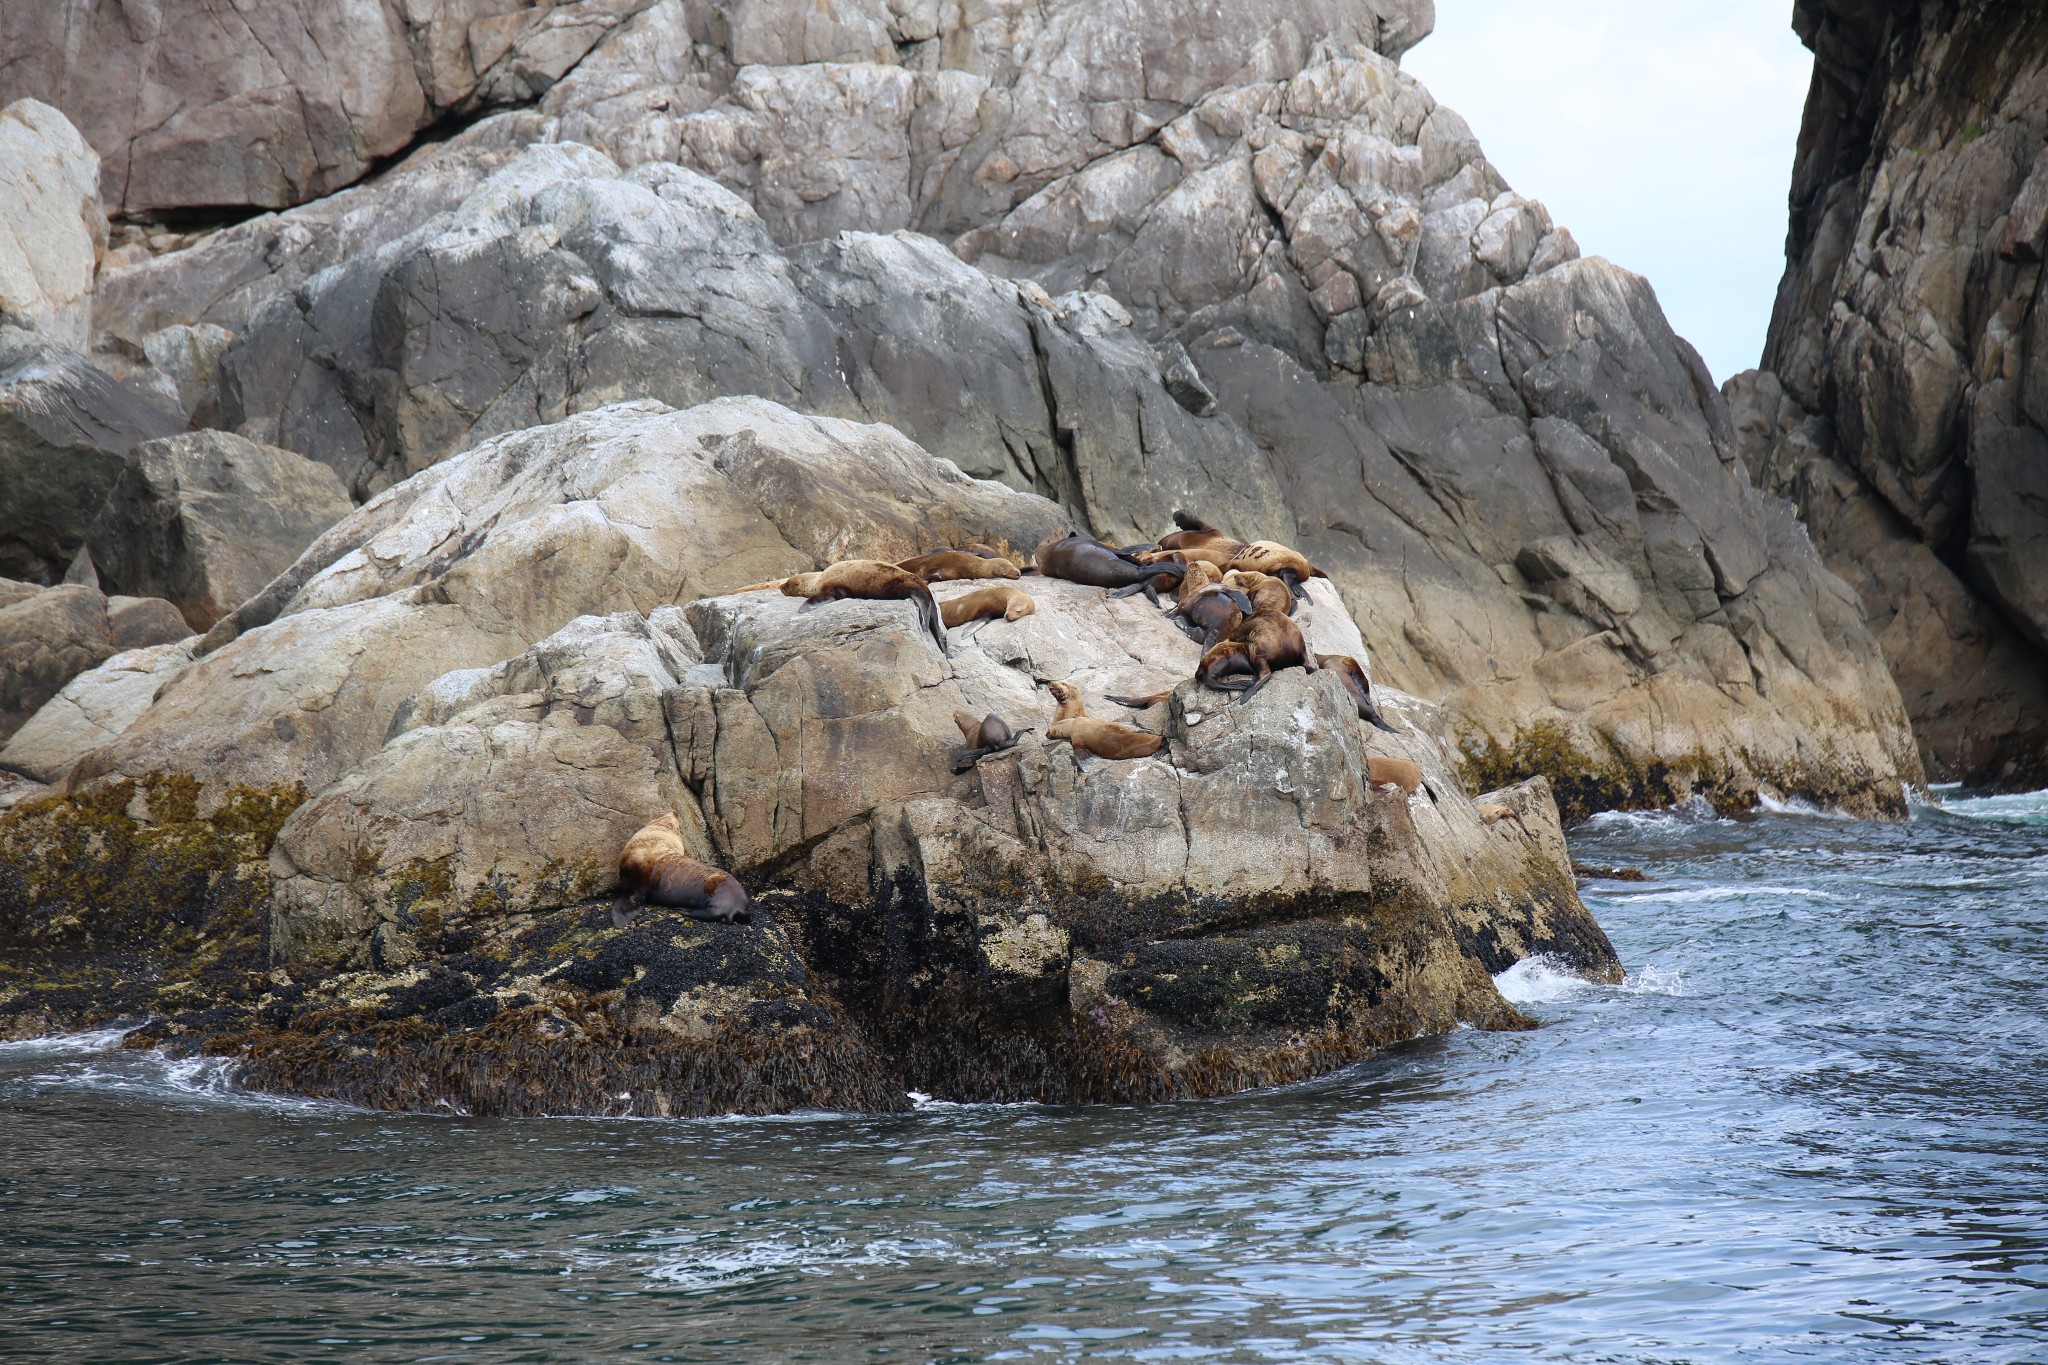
1193, 533
1493, 812
1267, 592
1356, 683
1084, 559
1214, 614
1103, 738
1265, 643
1268, 556
1404, 773
872, 580
656, 868
985, 604
1221, 553
989, 735
1165, 580
945, 566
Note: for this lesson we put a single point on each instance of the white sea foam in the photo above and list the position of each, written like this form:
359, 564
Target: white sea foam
1695, 810
1543, 980
64, 1044
1797, 805
736, 1262
157, 1076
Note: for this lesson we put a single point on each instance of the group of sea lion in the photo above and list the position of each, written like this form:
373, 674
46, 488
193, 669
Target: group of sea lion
1236, 598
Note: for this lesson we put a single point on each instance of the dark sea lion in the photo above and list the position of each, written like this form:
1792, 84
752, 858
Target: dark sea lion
985, 604
1084, 559
946, 566
875, 581
657, 869
1356, 683
989, 735
1103, 738
1265, 643
1214, 614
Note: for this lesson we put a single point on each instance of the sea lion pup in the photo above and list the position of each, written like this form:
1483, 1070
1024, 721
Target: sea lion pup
1404, 773
985, 604
945, 566
1103, 738
1084, 559
656, 868
1268, 556
1267, 592
1356, 683
875, 581
989, 735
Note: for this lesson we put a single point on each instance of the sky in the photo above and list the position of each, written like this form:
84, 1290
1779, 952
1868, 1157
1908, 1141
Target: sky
1660, 132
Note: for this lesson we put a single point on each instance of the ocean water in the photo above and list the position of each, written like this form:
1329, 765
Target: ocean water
1812, 1125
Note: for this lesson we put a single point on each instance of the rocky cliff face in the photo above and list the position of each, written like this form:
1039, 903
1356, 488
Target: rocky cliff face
1232, 258
1904, 401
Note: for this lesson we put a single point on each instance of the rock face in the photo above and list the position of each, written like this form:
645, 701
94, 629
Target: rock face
483, 687
203, 104
51, 227
1905, 399
207, 519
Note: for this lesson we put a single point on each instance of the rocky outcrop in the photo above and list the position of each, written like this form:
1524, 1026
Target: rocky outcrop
441, 725
1905, 399
51, 227
206, 520
48, 636
66, 429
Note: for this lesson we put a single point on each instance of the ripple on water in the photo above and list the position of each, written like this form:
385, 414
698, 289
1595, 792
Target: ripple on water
1810, 1124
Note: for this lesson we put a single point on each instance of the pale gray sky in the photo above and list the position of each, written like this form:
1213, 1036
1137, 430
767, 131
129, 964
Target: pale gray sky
1660, 132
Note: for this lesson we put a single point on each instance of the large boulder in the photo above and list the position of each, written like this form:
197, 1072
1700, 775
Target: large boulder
66, 429
206, 519
51, 227
488, 553
1911, 333
48, 636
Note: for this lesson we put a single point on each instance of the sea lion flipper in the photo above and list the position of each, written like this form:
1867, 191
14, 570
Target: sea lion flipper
1131, 589
625, 910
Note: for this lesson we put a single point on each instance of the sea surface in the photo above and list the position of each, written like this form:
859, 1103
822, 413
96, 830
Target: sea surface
1812, 1125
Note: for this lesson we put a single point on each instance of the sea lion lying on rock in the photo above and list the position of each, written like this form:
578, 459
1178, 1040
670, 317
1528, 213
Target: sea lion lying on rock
1356, 683
1271, 557
1084, 559
1103, 738
864, 578
985, 604
657, 869
989, 735
1404, 773
1267, 592
945, 566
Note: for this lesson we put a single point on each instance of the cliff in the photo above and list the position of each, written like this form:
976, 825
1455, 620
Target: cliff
1904, 396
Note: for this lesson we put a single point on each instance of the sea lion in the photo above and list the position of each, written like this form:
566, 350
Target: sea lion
945, 566
1356, 683
1103, 738
657, 868
989, 735
1404, 773
1269, 556
1193, 533
1221, 553
1266, 642
1493, 812
1164, 580
1214, 613
985, 604
872, 580
1084, 559
1267, 592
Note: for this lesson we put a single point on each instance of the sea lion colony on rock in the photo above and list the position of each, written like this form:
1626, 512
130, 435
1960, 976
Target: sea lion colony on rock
1236, 599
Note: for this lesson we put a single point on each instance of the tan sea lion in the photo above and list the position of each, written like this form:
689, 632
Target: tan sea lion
1269, 556
1267, 592
656, 868
1356, 683
1103, 738
1404, 773
1193, 533
1493, 812
985, 604
873, 580
989, 735
946, 566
